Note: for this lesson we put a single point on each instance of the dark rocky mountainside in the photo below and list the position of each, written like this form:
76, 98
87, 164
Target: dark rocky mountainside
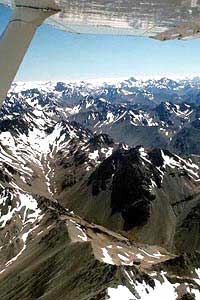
140, 193
86, 216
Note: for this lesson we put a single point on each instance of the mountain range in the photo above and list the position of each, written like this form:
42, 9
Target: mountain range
99, 191
152, 123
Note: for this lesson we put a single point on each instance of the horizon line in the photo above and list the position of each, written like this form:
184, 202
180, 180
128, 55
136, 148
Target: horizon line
110, 79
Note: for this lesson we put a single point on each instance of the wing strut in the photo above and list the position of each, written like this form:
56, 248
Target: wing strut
15, 41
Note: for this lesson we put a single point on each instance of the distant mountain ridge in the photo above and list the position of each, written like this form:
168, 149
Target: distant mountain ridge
116, 109
149, 92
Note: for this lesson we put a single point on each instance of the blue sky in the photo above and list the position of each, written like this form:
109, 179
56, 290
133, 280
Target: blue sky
56, 55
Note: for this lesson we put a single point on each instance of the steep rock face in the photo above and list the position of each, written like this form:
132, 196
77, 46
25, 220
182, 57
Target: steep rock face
188, 139
147, 194
130, 197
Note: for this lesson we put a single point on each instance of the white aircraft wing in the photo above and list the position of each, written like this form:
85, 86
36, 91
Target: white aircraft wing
162, 19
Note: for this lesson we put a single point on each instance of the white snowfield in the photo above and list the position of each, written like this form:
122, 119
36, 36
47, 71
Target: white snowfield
163, 290
119, 293
27, 209
26, 203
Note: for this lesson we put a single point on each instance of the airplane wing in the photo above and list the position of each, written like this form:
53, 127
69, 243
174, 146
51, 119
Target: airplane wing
160, 19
